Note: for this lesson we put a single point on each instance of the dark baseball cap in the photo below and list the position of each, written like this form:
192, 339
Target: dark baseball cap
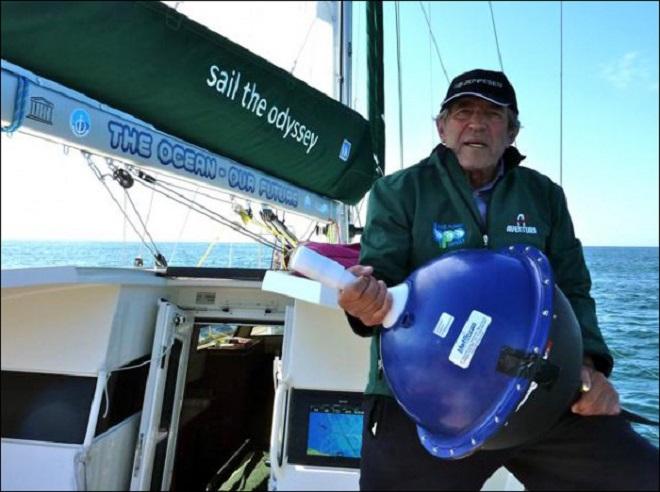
487, 84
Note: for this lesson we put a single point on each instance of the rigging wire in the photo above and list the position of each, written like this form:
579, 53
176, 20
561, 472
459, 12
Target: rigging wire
307, 235
497, 42
218, 218
152, 184
431, 90
304, 43
146, 221
153, 249
356, 56
398, 70
278, 230
125, 186
195, 190
437, 50
123, 176
164, 177
140, 176
126, 180
126, 253
561, 92
183, 227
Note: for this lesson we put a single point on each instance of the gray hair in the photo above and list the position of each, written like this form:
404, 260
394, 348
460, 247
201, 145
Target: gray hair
514, 122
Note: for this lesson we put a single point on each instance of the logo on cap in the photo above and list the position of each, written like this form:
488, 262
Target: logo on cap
490, 85
494, 83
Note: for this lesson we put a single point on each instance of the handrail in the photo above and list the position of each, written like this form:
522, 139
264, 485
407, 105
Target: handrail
277, 429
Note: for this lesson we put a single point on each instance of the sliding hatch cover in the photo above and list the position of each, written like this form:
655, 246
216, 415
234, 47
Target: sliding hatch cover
156, 445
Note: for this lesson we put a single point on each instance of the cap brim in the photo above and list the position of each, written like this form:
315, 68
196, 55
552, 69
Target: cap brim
474, 94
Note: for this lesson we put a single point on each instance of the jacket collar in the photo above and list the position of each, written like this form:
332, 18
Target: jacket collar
447, 162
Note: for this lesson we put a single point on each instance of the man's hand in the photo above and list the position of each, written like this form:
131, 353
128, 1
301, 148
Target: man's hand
367, 298
598, 395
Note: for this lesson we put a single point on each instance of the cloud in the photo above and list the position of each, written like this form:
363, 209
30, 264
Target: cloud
631, 68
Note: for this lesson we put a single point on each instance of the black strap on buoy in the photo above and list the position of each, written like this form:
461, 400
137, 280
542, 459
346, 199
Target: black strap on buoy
517, 363
633, 417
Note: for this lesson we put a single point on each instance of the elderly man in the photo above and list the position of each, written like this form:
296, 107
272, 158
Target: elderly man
471, 192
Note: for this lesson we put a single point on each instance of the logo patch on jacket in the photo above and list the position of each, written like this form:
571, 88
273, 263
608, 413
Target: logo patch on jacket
447, 235
521, 226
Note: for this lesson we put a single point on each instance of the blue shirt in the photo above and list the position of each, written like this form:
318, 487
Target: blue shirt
482, 195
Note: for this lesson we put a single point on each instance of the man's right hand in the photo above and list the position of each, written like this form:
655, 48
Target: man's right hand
366, 298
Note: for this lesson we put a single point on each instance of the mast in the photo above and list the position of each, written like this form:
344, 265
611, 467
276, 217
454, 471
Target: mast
375, 80
343, 39
375, 84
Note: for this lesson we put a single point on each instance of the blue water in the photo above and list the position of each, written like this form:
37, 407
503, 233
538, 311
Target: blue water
20, 254
625, 287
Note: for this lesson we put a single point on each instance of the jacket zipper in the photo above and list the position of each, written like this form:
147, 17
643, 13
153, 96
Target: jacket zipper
485, 229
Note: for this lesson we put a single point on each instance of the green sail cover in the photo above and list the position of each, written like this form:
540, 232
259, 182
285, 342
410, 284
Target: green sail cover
154, 63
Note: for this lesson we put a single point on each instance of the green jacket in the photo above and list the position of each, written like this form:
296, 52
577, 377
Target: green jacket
411, 211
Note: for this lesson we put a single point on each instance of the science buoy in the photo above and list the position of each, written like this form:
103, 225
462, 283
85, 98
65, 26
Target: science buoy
486, 353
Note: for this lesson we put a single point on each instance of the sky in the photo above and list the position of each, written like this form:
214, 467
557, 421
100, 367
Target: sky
610, 110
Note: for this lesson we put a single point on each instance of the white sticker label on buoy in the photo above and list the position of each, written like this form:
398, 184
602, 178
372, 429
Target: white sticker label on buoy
469, 339
444, 323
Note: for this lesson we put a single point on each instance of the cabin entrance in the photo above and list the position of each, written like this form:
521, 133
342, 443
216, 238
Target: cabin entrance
227, 404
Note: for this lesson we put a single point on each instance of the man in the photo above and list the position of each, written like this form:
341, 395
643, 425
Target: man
473, 183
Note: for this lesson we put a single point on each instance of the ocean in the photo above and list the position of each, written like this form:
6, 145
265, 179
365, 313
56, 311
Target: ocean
625, 288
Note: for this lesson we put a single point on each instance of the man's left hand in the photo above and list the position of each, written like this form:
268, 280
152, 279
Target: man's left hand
598, 395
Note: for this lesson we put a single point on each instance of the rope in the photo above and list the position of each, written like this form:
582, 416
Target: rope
164, 353
497, 42
437, 50
144, 178
246, 217
205, 211
20, 106
197, 186
277, 230
160, 187
173, 185
398, 71
206, 254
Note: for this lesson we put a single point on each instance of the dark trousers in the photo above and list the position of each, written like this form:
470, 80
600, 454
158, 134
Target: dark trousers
577, 453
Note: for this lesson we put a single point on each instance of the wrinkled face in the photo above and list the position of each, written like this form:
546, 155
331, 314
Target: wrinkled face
477, 131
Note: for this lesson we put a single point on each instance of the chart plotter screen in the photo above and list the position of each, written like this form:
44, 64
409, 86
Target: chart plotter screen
325, 428
334, 434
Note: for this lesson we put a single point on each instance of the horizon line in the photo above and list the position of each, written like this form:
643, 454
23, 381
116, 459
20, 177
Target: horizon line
53, 240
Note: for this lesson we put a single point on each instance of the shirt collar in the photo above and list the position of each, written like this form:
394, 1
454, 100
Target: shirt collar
498, 174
